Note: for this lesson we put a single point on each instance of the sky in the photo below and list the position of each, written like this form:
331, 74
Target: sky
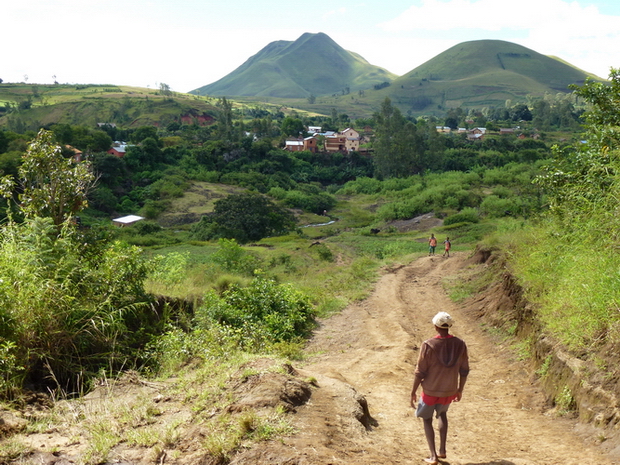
187, 44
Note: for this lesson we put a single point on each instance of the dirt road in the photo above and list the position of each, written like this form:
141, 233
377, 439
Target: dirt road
370, 350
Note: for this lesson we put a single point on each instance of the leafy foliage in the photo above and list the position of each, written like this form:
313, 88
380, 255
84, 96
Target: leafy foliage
264, 312
66, 310
398, 146
244, 217
584, 178
232, 258
467, 215
579, 306
51, 185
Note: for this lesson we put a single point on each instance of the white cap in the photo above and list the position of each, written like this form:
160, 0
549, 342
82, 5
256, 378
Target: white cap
443, 320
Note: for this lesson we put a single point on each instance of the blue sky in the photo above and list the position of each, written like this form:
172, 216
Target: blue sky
190, 43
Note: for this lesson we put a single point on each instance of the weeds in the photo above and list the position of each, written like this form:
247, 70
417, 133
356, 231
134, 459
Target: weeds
13, 449
103, 436
565, 401
544, 367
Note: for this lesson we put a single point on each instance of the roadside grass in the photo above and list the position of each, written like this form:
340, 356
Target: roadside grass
13, 449
572, 283
580, 304
157, 413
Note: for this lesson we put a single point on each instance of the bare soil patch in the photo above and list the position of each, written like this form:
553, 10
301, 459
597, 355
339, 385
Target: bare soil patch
424, 222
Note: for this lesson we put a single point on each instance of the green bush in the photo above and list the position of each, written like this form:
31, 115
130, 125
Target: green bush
233, 258
311, 202
264, 312
244, 217
467, 215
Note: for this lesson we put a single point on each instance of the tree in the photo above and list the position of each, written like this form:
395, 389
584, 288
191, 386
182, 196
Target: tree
164, 89
244, 217
583, 179
225, 119
521, 112
292, 127
144, 132
51, 185
399, 148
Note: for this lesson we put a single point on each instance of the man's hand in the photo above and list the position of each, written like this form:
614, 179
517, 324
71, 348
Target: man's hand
459, 394
414, 399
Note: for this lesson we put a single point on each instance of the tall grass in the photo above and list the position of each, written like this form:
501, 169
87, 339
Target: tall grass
66, 310
572, 280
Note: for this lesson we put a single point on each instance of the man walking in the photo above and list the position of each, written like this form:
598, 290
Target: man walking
432, 243
442, 369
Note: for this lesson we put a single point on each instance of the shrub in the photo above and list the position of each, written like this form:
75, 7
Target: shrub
232, 258
264, 312
244, 217
469, 215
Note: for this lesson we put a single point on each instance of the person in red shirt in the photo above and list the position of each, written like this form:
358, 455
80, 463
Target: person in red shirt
442, 369
432, 243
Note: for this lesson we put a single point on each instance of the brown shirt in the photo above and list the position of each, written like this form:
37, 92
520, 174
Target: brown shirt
440, 363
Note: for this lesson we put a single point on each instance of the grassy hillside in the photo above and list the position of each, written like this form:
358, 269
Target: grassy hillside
28, 106
474, 74
481, 73
313, 64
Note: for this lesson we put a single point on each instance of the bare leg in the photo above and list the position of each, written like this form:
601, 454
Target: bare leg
443, 434
430, 438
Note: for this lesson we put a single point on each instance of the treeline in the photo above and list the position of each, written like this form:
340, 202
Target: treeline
243, 147
560, 112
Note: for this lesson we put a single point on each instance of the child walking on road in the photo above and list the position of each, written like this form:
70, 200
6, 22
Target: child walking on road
447, 245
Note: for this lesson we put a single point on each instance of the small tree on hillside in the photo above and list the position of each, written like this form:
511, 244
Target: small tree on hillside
244, 217
49, 184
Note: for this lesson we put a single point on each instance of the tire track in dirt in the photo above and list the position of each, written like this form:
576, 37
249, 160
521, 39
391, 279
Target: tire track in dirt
370, 349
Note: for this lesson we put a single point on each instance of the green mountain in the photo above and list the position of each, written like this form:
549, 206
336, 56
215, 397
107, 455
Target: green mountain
481, 73
312, 65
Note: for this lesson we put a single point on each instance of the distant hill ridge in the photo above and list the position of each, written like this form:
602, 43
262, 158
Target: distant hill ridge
479, 73
482, 73
475, 59
312, 65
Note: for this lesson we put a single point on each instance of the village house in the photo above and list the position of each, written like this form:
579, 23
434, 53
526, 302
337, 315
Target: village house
335, 142
118, 149
476, 134
352, 141
294, 145
311, 144
347, 141
77, 154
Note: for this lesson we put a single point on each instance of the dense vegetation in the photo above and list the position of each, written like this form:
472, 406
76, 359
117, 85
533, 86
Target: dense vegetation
79, 300
575, 243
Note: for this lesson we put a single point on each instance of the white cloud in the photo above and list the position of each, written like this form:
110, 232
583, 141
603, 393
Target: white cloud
338, 12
